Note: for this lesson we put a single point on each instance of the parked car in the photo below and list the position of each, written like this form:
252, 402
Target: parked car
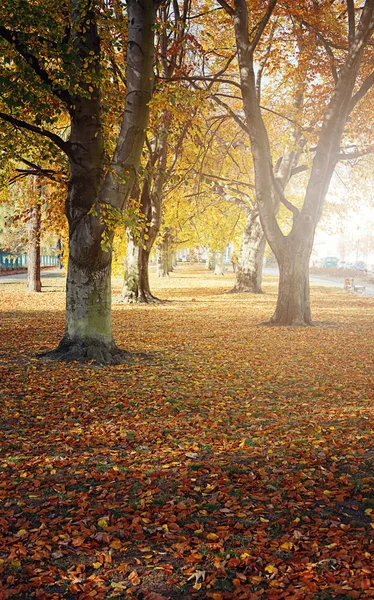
360, 265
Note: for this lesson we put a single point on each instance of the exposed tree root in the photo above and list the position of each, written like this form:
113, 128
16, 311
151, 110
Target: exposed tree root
87, 351
144, 298
295, 323
147, 298
236, 290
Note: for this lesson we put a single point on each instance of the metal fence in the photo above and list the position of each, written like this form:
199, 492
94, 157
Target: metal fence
10, 261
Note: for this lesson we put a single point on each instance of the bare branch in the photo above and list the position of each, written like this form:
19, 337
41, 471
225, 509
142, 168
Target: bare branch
299, 169
279, 192
356, 153
201, 78
223, 70
179, 144
232, 181
202, 14
278, 114
263, 62
38, 170
220, 191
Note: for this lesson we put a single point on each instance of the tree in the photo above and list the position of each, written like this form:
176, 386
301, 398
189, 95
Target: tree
61, 60
173, 110
351, 78
226, 162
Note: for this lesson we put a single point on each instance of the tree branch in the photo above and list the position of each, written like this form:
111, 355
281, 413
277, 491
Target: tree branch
50, 173
356, 154
327, 47
232, 113
365, 87
278, 190
38, 172
227, 7
351, 22
193, 79
232, 181
299, 169
263, 61
262, 25
220, 191
179, 144
64, 146
323, 39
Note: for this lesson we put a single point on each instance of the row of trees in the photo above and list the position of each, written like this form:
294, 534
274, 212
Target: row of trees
249, 105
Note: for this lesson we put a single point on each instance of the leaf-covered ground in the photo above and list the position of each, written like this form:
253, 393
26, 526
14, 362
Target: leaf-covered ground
234, 461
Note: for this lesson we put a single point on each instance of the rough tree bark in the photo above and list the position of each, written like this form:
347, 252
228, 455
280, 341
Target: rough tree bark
249, 270
293, 303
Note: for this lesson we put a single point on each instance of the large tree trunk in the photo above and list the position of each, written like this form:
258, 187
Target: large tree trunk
88, 332
34, 283
249, 271
88, 329
293, 303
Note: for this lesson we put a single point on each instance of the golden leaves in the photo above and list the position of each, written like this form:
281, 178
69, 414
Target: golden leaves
153, 486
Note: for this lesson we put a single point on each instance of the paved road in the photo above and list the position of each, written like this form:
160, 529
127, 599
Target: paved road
328, 281
17, 277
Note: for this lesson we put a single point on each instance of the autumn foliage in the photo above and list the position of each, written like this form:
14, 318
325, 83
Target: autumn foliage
224, 460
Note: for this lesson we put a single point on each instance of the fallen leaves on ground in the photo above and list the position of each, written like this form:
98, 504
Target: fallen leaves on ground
234, 461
